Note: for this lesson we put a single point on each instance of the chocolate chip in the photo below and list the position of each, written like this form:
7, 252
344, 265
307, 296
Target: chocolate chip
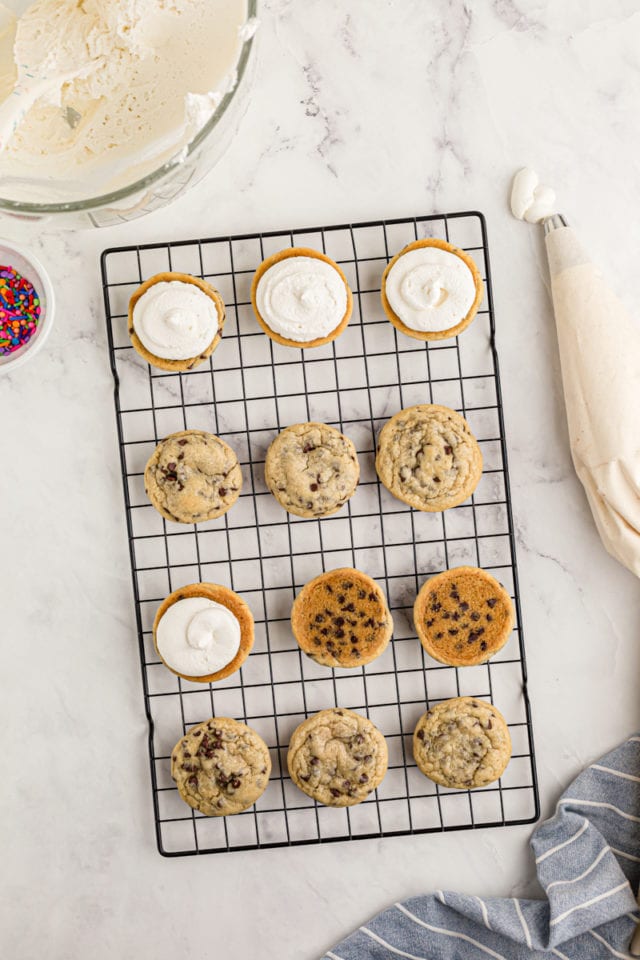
420, 734
341, 598
368, 758
222, 491
171, 466
463, 605
339, 633
335, 793
489, 618
183, 443
319, 618
346, 784
358, 738
313, 487
446, 616
489, 725
339, 621
181, 456
452, 632
455, 616
328, 588
308, 447
448, 450
314, 761
491, 602
364, 778
435, 607
361, 594
350, 608
235, 783
483, 645
439, 636
193, 781
324, 631
475, 615
436, 480
429, 623
305, 779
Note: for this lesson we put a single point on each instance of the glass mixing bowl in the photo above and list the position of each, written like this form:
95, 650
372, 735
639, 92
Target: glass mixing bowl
160, 186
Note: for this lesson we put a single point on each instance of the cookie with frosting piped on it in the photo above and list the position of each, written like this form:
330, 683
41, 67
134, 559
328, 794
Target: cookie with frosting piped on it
431, 290
203, 632
301, 298
175, 321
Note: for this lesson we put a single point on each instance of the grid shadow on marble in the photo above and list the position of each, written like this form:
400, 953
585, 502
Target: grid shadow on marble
246, 392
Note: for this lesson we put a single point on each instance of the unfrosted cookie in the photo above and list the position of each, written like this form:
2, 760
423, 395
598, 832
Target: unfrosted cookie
311, 469
207, 648
463, 616
220, 766
192, 476
462, 743
337, 757
176, 319
341, 619
428, 457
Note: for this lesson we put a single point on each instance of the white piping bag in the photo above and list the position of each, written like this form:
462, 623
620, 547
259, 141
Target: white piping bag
600, 357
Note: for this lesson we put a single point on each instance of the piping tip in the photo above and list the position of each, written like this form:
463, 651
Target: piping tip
553, 222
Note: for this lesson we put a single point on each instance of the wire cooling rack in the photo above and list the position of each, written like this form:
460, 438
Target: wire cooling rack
249, 390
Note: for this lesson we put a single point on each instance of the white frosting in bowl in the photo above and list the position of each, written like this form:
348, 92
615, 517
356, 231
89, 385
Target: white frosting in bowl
175, 320
430, 289
302, 298
197, 636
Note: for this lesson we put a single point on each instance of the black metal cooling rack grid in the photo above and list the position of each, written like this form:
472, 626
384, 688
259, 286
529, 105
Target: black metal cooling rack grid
249, 390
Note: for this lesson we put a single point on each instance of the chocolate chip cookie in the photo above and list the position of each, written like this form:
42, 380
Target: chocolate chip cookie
462, 743
311, 469
337, 757
341, 619
428, 457
220, 767
192, 476
463, 616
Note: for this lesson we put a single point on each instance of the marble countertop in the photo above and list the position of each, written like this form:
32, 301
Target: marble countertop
394, 108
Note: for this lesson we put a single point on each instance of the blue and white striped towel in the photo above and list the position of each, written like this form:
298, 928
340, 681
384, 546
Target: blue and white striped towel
588, 862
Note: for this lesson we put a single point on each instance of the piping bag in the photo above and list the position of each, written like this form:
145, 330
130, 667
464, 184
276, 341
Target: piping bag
599, 345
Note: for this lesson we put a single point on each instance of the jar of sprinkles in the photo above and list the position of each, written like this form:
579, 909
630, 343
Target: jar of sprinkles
26, 306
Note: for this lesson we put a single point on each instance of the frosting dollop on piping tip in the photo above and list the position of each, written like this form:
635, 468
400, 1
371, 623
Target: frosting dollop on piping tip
531, 200
198, 637
302, 298
430, 289
175, 319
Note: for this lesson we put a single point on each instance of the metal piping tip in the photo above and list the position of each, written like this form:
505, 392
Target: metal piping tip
553, 222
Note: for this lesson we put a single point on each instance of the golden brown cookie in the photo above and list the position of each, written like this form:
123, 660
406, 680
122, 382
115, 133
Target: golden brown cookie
284, 255
462, 743
311, 469
337, 757
463, 322
220, 767
233, 603
192, 476
189, 362
341, 619
463, 616
428, 457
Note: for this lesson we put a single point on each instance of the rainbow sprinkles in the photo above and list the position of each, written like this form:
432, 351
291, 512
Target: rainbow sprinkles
19, 310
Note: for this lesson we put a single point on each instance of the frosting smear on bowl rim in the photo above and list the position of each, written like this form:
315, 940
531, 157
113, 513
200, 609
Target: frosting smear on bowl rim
302, 298
198, 637
175, 320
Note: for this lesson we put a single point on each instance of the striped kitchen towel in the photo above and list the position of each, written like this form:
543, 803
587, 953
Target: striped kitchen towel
588, 862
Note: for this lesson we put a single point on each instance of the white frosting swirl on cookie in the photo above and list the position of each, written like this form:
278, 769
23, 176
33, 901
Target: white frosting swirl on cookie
430, 289
301, 298
197, 636
175, 320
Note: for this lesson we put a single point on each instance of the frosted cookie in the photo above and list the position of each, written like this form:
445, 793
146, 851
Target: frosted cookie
341, 619
220, 767
311, 469
192, 476
431, 290
175, 321
428, 457
462, 743
203, 632
337, 757
301, 298
463, 616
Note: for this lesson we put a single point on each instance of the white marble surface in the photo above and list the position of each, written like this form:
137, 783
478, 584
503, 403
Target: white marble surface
394, 108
